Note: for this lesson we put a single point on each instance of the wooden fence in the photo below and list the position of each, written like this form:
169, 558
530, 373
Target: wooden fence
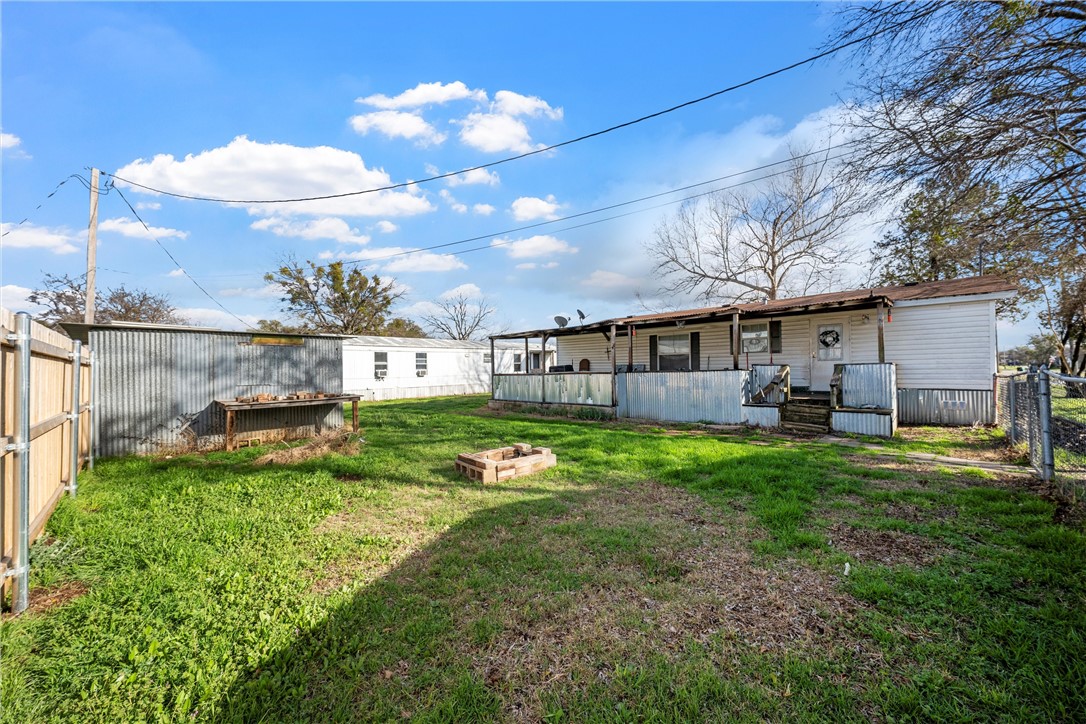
50, 435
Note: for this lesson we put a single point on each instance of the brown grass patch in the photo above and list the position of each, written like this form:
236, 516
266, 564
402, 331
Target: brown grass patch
342, 442
889, 548
46, 598
705, 590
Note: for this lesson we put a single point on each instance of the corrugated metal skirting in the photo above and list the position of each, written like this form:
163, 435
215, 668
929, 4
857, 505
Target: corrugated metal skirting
945, 407
157, 388
868, 385
715, 396
863, 423
762, 415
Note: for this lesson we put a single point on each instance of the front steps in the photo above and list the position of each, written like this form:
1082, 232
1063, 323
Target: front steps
806, 415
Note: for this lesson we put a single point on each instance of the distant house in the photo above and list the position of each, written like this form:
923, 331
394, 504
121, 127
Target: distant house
389, 368
935, 342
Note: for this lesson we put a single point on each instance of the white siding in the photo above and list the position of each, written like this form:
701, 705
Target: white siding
943, 346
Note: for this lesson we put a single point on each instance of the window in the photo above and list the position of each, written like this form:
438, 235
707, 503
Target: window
486, 358
380, 365
518, 361
673, 352
420, 364
754, 338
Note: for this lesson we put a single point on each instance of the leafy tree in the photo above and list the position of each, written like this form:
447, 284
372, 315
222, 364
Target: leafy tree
782, 238
460, 317
64, 298
329, 299
400, 327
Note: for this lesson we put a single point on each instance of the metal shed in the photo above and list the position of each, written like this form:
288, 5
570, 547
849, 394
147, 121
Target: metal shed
156, 385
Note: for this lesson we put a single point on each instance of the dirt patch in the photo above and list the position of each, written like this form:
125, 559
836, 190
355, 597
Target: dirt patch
889, 548
970, 443
705, 589
46, 598
333, 441
912, 513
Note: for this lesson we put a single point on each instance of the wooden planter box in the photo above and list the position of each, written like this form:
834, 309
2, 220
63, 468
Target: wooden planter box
504, 463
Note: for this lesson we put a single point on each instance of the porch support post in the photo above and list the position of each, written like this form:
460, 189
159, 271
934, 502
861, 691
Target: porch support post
493, 366
527, 358
629, 339
735, 340
543, 367
882, 332
614, 366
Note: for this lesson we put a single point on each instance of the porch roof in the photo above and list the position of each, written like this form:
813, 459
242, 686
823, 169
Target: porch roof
853, 299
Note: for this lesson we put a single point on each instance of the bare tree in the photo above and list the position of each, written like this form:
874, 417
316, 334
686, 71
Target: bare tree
332, 300
64, 298
783, 238
460, 317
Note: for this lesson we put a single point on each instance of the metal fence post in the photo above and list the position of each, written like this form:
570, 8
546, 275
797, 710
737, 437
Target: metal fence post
92, 430
21, 447
1012, 410
77, 373
1044, 404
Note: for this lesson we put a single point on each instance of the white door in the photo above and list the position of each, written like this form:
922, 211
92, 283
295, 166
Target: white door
829, 347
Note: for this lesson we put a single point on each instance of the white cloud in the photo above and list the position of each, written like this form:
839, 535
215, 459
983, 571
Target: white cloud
514, 104
533, 265
217, 318
495, 132
469, 290
425, 94
14, 297
279, 171
268, 291
148, 205
529, 208
605, 279
534, 246
326, 228
176, 273
420, 309
452, 202
394, 259
135, 230
9, 140
483, 209
386, 227
396, 124
476, 176
59, 240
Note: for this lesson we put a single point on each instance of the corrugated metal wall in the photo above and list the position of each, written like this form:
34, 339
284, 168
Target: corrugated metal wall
945, 407
683, 396
578, 389
762, 415
157, 388
868, 385
518, 388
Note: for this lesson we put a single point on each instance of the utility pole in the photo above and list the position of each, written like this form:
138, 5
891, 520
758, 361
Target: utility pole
92, 247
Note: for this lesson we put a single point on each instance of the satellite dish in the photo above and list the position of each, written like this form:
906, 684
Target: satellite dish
561, 321
582, 315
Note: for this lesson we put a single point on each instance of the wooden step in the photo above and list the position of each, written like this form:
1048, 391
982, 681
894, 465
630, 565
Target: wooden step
804, 428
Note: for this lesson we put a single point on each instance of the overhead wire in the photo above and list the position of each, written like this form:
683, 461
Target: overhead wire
85, 182
595, 134
162, 246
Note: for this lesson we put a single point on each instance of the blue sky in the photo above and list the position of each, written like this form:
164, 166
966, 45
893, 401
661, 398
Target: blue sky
283, 100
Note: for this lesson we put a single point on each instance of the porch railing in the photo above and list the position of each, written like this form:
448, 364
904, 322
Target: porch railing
563, 388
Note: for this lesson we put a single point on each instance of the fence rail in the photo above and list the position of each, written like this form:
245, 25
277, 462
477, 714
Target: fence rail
45, 380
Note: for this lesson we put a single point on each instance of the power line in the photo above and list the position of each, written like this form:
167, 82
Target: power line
162, 246
569, 142
52, 193
605, 208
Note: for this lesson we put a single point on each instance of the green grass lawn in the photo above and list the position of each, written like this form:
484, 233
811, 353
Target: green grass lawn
653, 575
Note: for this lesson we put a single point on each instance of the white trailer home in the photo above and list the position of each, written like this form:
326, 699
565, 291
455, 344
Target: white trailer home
918, 353
389, 368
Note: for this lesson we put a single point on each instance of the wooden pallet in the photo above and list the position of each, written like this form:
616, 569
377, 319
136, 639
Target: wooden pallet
504, 463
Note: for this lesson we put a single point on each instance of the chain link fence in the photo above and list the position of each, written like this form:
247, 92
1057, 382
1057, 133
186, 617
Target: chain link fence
1045, 413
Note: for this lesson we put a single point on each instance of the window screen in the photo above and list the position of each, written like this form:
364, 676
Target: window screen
380, 364
518, 361
673, 352
755, 338
420, 363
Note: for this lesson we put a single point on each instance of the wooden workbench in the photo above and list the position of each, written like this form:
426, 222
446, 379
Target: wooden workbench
233, 407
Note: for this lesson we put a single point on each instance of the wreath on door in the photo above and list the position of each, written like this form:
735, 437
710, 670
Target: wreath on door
829, 338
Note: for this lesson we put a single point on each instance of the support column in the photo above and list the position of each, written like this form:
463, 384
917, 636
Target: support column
543, 368
735, 340
882, 332
614, 366
527, 364
630, 340
20, 597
